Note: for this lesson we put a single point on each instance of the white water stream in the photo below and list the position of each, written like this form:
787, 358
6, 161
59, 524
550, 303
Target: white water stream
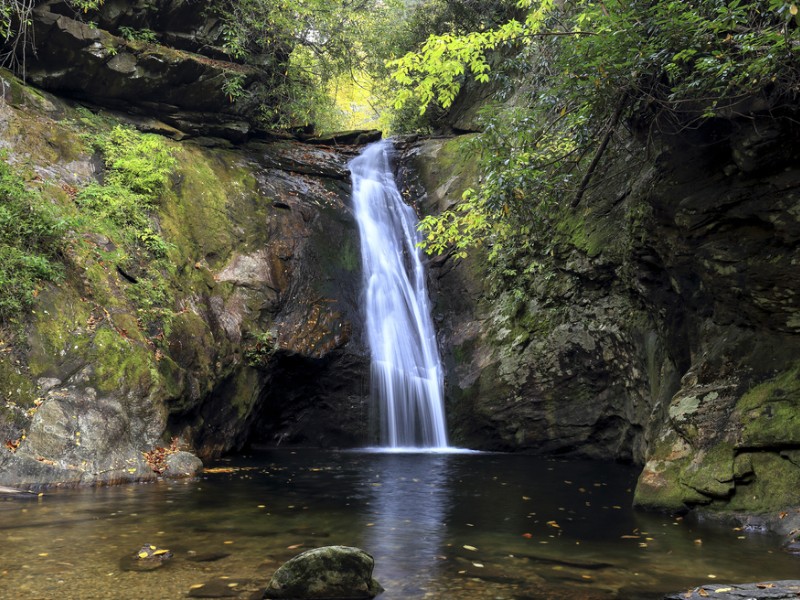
406, 374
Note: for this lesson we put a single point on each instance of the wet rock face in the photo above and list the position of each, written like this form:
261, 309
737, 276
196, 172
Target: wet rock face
557, 370
265, 342
772, 590
661, 326
329, 572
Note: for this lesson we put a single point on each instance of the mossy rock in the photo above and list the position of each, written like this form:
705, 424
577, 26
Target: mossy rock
329, 572
712, 472
772, 485
770, 412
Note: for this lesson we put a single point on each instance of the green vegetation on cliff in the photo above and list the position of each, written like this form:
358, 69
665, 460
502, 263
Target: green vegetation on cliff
575, 74
137, 170
30, 243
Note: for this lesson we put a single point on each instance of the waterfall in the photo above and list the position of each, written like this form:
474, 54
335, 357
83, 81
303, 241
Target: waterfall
406, 373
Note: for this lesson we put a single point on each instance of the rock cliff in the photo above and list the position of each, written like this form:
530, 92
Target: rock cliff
261, 283
662, 325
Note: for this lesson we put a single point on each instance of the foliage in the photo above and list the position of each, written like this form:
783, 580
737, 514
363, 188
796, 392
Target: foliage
261, 349
579, 70
30, 244
138, 167
298, 47
142, 35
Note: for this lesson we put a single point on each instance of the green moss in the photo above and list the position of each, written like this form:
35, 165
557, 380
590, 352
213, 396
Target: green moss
245, 389
711, 472
200, 215
59, 330
591, 235
660, 485
17, 393
773, 485
121, 363
348, 256
452, 165
770, 413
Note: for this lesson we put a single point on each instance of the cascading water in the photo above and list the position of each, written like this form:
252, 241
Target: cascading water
406, 371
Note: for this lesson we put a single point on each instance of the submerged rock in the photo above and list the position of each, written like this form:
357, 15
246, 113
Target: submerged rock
327, 572
148, 558
772, 590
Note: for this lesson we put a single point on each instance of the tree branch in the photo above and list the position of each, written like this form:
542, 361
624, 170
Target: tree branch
610, 128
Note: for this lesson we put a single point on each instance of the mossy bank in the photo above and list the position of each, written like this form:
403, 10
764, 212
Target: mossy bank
217, 311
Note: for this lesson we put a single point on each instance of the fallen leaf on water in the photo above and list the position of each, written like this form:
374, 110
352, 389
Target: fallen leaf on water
526, 498
468, 547
142, 554
699, 542
527, 535
554, 524
723, 590
630, 537
294, 546
196, 586
711, 576
586, 576
160, 552
477, 564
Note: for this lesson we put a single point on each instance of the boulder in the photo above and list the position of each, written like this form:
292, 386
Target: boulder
328, 572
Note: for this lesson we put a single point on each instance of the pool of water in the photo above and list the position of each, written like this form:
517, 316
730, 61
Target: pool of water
477, 526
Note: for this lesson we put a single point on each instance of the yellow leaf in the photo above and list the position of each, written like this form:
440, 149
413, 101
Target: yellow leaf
160, 551
723, 590
143, 555
793, 9
468, 547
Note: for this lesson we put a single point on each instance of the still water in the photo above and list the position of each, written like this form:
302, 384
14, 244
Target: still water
455, 526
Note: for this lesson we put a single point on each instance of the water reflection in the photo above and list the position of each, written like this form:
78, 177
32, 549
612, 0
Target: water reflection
440, 526
409, 505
